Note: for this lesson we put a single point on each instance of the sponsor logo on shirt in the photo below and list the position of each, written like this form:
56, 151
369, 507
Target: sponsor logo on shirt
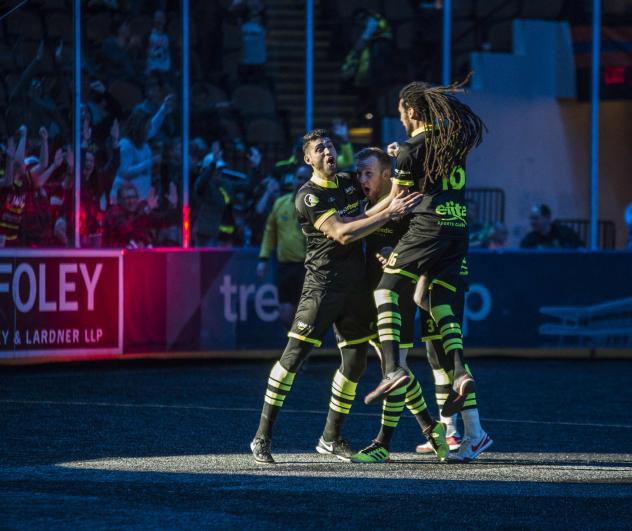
310, 200
349, 189
453, 214
348, 208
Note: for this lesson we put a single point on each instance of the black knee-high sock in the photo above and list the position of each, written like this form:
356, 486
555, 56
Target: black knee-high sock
279, 385
451, 335
389, 323
343, 392
343, 387
392, 408
417, 405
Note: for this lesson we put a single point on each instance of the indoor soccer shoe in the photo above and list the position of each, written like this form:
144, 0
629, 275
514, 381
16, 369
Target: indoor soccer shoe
470, 449
339, 448
454, 441
462, 386
374, 453
391, 382
262, 450
436, 439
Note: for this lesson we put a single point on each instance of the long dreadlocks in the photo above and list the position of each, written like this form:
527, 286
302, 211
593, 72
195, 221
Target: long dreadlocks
453, 129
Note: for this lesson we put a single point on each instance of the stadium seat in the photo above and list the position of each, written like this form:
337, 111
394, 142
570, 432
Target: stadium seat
126, 93
11, 81
348, 7
141, 26
497, 9
231, 37
57, 4
59, 26
500, 36
397, 11
405, 35
253, 100
204, 95
97, 26
544, 10
7, 62
265, 131
4, 97
25, 24
231, 128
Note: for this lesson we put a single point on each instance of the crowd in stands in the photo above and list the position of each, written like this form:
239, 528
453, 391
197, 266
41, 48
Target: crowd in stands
130, 147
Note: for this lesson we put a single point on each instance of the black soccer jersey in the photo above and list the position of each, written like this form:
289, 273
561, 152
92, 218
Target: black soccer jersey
316, 201
386, 236
442, 211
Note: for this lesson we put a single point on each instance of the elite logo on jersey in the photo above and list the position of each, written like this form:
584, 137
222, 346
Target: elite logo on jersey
310, 200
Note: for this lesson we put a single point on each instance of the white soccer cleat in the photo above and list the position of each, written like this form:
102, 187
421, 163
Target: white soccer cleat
470, 449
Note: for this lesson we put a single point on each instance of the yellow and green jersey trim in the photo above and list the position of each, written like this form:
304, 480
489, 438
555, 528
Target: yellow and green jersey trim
443, 284
401, 272
402, 182
324, 183
324, 217
306, 339
348, 342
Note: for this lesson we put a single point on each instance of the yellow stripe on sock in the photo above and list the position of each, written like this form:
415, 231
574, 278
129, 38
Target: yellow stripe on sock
441, 377
385, 296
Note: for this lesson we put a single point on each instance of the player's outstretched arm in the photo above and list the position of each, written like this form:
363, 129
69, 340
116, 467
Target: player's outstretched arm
348, 230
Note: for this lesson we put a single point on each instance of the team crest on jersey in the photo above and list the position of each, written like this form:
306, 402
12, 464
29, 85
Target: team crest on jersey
310, 200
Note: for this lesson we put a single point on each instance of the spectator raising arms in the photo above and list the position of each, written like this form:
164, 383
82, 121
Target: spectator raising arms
136, 156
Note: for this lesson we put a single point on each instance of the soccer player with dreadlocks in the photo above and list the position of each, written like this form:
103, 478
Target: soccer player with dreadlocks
442, 131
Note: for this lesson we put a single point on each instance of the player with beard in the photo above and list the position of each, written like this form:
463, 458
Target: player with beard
442, 131
374, 177
334, 292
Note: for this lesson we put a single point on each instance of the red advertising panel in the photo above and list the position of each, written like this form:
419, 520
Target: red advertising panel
56, 303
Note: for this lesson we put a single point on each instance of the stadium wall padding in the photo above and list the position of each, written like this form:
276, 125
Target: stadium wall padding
174, 303
213, 301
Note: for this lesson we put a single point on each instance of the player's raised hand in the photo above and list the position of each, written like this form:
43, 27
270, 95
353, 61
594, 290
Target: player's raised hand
392, 149
402, 204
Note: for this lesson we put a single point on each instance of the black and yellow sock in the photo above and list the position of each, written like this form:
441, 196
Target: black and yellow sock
343, 392
442, 383
416, 404
470, 399
392, 408
389, 324
451, 335
279, 385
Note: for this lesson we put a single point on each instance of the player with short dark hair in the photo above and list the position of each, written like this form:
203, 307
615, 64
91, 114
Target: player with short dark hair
334, 292
442, 131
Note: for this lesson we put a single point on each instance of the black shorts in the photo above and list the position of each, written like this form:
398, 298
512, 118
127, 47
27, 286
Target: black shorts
347, 306
418, 254
290, 278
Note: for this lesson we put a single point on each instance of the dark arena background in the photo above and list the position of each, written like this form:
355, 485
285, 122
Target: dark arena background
146, 148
